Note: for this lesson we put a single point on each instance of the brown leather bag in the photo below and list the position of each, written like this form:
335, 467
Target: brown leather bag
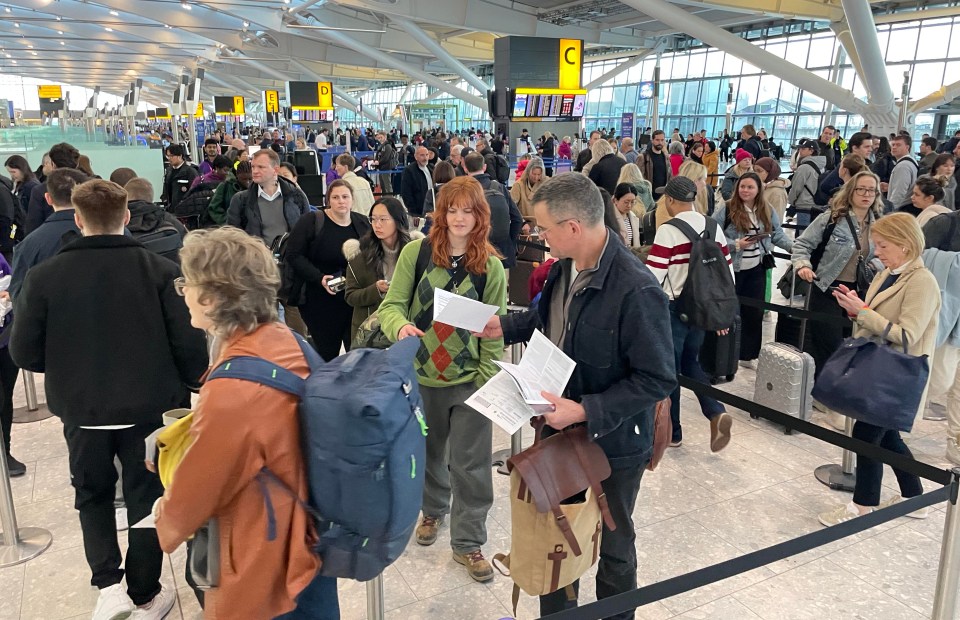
560, 467
662, 431
557, 505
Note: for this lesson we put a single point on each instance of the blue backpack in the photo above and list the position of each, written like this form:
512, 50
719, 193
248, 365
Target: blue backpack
361, 417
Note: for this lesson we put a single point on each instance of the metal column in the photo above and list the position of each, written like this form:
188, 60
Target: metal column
948, 576
841, 477
33, 412
375, 606
17, 544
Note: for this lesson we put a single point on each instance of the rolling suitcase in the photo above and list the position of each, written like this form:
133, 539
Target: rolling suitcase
720, 355
785, 376
519, 283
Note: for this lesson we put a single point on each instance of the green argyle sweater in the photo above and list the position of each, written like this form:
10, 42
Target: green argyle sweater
447, 356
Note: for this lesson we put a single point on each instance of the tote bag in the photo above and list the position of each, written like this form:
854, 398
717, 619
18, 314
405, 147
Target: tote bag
874, 383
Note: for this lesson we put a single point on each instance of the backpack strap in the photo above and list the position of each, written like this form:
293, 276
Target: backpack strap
259, 370
690, 233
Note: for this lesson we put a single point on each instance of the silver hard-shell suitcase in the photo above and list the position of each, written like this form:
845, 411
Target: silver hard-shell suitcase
785, 376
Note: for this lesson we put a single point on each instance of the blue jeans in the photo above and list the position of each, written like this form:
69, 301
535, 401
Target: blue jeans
687, 341
319, 601
803, 220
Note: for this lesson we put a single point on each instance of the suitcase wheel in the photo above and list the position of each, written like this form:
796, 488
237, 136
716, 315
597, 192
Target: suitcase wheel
788, 431
754, 416
730, 377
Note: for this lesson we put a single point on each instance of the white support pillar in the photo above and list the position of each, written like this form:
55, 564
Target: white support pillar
945, 94
391, 61
683, 21
863, 31
438, 50
406, 93
842, 31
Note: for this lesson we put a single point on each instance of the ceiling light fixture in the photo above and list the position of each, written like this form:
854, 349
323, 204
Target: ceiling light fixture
62, 43
59, 31
186, 5
16, 24
115, 14
109, 29
59, 18
246, 24
7, 9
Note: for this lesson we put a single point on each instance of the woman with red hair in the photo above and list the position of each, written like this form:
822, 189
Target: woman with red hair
452, 364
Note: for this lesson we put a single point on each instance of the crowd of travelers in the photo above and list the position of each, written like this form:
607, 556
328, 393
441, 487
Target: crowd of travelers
229, 258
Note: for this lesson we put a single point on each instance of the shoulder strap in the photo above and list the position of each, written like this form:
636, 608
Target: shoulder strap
853, 231
686, 229
320, 220
259, 370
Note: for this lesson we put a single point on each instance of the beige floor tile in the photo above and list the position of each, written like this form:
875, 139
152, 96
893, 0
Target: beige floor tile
469, 602
57, 585
727, 608
819, 590
52, 479
11, 590
353, 595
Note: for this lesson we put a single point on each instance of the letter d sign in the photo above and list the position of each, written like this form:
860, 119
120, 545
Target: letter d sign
325, 95
571, 64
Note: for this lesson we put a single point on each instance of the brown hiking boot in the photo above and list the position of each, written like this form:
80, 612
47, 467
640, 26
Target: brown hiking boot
720, 432
477, 566
427, 530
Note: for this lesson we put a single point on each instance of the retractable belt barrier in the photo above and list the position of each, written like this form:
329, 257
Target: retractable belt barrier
628, 601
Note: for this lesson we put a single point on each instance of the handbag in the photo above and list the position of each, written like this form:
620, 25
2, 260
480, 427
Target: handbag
369, 335
767, 261
873, 382
557, 511
865, 271
786, 284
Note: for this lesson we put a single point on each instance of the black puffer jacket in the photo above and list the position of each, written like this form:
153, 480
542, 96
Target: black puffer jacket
146, 217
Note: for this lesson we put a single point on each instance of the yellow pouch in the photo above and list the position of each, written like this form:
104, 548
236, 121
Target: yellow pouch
172, 443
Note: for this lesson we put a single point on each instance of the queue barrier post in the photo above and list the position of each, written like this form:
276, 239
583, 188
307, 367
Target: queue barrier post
375, 606
33, 412
948, 574
17, 544
841, 477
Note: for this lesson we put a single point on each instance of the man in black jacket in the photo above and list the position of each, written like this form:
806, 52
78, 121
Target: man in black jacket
178, 177
62, 155
46, 240
416, 181
272, 205
103, 321
613, 320
506, 221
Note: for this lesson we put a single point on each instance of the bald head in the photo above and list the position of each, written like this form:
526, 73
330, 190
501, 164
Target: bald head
422, 155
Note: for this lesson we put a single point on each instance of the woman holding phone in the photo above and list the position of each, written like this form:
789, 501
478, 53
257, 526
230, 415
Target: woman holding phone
752, 228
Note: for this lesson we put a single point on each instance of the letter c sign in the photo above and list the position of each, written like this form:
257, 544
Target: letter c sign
571, 64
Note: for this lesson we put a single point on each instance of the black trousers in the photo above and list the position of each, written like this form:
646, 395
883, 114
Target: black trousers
328, 317
825, 338
751, 283
617, 569
8, 380
870, 471
94, 479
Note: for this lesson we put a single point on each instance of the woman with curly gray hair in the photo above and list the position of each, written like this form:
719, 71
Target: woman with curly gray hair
230, 283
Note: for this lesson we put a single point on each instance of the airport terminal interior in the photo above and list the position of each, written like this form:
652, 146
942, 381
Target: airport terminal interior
713, 89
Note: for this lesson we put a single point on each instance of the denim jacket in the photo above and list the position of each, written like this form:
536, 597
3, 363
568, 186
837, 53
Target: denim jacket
618, 332
778, 238
836, 254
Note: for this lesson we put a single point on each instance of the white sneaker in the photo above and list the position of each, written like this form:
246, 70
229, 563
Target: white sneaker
923, 513
840, 514
122, 523
752, 364
158, 608
113, 604
935, 412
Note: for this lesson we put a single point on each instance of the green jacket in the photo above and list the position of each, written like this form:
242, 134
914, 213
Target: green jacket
453, 357
217, 210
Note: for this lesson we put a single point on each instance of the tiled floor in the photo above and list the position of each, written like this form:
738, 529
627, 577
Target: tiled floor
697, 509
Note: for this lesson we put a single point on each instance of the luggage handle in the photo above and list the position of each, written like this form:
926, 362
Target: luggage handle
806, 305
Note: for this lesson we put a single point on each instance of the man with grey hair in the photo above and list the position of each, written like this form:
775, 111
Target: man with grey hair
607, 312
455, 159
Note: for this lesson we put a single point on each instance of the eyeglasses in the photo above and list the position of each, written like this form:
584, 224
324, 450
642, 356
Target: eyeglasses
381, 219
866, 191
179, 284
540, 230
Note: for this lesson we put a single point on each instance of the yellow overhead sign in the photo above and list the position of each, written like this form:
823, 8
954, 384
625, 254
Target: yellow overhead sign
325, 95
271, 101
49, 91
238, 106
199, 109
550, 91
571, 64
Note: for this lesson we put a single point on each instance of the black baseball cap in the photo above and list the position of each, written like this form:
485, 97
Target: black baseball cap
806, 143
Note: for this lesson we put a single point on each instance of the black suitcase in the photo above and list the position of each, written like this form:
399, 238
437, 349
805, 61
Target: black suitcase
720, 355
518, 292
